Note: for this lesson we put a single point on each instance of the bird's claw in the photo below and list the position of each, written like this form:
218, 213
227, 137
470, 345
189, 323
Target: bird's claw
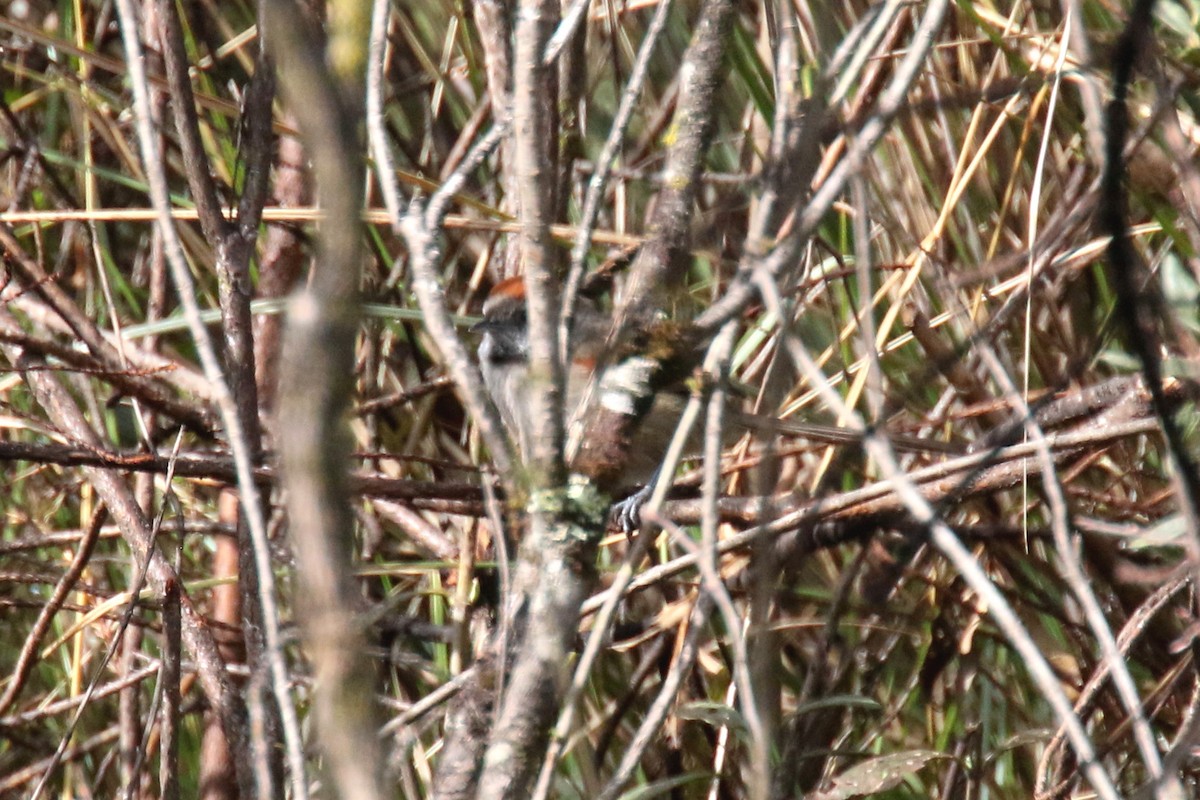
627, 514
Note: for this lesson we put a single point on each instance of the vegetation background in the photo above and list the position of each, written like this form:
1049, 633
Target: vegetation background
892, 219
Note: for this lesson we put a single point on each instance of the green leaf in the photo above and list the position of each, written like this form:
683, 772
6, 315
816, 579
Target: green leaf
877, 774
664, 786
716, 714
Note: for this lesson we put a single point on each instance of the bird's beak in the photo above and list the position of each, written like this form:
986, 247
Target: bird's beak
483, 326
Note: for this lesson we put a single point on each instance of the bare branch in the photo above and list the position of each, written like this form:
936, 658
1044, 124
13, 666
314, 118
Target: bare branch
226, 402
316, 384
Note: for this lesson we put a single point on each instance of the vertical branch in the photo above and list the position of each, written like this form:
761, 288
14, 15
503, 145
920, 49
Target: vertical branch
230, 416
225, 608
557, 563
234, 244
1134, 304
420, 233
1135, 307
316, 381
661, 263
196, 165
572, 85
535, 133
556, 567
495, 34
280, 263
494, 24
794, 150
171, 656
235, 291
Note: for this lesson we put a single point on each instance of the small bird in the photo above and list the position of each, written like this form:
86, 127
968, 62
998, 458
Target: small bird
504, 361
